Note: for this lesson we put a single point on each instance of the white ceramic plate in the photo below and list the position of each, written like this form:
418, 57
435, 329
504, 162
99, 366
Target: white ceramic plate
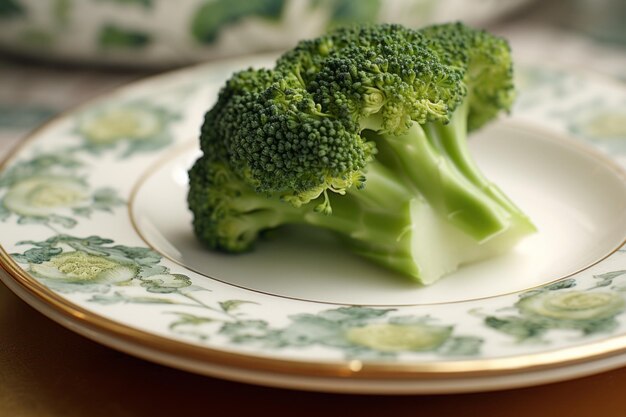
96, 235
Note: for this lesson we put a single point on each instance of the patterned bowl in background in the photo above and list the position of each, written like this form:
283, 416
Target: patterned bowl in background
176, 32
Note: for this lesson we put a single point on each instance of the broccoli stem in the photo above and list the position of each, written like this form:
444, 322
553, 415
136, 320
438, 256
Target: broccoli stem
386, 238
443, 185
404, 231
386, 222
451, 140
376, 221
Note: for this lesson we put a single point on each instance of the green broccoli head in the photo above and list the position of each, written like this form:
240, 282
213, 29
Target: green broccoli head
384, 70
486, 64
277, 140
361, 131
228, 213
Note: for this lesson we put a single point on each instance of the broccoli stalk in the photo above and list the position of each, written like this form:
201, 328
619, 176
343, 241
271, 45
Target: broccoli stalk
451, 140
455, 214
363, 132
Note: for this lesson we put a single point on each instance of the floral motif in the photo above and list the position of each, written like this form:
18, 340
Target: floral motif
165, 283
572, 305
71, 264
94, 265
42, 196
81, 267
358, 332
387, 337
604, 126
140, 126
46, 189
557, 306
540, 85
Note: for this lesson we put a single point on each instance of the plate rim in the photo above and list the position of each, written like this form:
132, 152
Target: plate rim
507, 365
608, 347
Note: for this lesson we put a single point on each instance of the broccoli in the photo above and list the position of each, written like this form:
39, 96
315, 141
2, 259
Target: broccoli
363, 132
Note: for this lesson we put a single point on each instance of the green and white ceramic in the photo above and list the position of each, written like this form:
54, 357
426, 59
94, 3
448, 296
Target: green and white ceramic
96, 235
145, 33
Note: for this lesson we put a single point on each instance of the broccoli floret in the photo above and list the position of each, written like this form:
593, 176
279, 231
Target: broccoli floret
363, 132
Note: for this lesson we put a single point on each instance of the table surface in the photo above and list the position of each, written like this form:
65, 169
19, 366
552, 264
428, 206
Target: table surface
48, 371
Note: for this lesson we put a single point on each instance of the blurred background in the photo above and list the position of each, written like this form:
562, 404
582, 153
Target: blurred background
57, 53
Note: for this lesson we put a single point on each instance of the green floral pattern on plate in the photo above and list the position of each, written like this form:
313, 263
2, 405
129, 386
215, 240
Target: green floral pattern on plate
603, 125
57, 183
557, 306
95, 265
49, 189
138, 126
566, 101
71, 264
358, 332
